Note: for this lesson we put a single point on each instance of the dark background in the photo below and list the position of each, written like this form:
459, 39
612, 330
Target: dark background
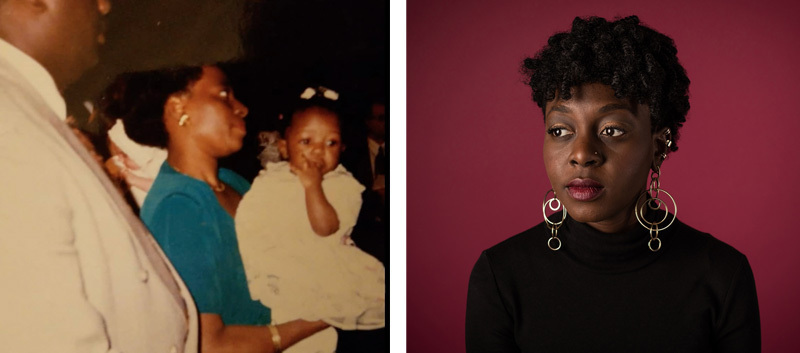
271, 50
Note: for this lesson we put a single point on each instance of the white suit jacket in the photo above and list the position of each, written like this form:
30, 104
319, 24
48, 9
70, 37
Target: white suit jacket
78, 270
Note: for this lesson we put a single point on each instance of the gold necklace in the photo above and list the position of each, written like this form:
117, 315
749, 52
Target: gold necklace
218, 188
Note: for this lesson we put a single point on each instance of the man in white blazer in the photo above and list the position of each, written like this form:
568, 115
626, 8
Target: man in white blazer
78, 270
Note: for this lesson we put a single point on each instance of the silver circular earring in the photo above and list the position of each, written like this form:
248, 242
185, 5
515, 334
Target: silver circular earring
653, 201
553, 226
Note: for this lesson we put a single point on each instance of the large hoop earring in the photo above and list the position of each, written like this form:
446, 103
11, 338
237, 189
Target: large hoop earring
654, 202
553, 226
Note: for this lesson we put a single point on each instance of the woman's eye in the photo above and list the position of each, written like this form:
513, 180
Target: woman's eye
612, 131
305, 141
332, 143
558, 131
224, 94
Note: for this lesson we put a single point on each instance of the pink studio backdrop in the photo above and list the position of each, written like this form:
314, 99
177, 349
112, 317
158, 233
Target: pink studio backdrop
475, 172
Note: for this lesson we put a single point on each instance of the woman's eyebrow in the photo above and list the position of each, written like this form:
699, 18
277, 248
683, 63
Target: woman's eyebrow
225, 83
615, 106
558, 108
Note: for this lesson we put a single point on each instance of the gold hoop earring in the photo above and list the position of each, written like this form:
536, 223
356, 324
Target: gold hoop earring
654, 202
183, 119
667, 135
553, 226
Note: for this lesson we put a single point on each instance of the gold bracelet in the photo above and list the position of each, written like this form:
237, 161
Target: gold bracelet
276, 338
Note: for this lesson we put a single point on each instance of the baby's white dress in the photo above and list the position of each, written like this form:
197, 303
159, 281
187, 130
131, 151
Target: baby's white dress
294, 271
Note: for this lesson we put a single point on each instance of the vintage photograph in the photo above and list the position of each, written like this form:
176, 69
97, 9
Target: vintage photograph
194, 175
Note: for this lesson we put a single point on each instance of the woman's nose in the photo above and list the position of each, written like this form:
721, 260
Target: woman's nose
586, 151
240, 109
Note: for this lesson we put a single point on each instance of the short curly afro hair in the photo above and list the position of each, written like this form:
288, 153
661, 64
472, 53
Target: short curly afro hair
636, 61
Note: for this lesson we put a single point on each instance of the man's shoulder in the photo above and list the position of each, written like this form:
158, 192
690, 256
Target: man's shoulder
12, 102
18, 104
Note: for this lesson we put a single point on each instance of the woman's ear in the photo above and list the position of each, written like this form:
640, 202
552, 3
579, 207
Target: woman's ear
174, 107
662, 139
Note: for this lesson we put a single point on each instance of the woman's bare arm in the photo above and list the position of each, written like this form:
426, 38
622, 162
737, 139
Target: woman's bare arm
216, 337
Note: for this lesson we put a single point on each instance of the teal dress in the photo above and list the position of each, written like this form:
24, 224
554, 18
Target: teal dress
199, 238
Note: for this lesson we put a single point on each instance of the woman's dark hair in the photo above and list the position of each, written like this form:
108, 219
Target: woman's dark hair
138, 98
636, 61
298, 105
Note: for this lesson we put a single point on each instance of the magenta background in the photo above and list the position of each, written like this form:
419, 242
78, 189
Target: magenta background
475, 172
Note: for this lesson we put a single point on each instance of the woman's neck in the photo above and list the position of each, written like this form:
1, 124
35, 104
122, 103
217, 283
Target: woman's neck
622, 222
191, 162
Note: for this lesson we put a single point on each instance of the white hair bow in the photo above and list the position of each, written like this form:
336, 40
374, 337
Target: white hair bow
323, 91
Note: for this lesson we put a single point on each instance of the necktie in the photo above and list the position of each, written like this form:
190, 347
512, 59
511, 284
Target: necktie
380, 162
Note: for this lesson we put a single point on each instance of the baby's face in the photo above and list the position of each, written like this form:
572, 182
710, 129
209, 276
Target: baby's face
315, 136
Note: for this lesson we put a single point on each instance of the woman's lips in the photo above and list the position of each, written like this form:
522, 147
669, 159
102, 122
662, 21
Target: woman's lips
584, 189
240, 126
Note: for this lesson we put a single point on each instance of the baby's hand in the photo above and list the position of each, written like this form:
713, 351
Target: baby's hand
310, 173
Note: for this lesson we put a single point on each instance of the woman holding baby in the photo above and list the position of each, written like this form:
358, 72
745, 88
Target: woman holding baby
191, 206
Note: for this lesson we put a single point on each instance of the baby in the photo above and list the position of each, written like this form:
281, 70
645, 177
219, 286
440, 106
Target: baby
293, 228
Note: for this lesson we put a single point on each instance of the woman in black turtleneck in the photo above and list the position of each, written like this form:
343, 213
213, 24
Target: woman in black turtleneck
606, 279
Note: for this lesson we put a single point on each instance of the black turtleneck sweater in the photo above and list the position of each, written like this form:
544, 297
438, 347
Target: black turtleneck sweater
609, 293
